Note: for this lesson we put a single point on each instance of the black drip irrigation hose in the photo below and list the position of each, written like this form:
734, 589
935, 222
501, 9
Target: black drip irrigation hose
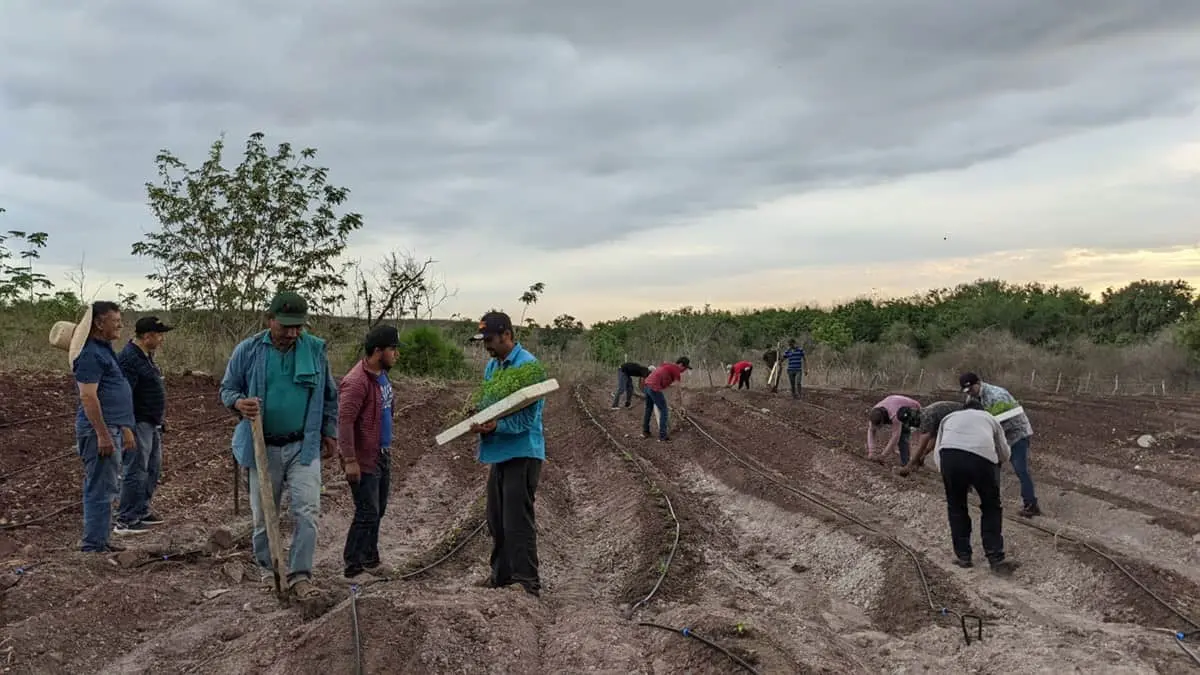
458, 547
942, 611
1180, 636
685, 631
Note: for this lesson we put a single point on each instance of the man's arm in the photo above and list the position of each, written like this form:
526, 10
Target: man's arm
350, 403
894, 440
329, 412
87, 375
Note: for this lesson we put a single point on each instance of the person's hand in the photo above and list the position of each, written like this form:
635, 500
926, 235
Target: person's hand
104, 443
248, 407
328, 447
485, 428
162, 428
350, 466
127, 440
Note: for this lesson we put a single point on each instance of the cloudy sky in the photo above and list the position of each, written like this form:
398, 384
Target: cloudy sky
638, 155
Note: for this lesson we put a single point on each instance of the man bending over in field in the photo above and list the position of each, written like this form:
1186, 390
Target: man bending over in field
926, 421
656, 385
625, 375
1017, 430
883, 413
739, 374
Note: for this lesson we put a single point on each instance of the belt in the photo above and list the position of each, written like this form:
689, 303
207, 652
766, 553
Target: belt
284, 439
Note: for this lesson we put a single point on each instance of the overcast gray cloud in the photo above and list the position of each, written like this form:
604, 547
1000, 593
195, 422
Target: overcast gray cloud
560, 125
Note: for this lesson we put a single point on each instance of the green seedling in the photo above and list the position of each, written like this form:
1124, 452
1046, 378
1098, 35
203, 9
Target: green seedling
1001, 407
741, 629
506, 382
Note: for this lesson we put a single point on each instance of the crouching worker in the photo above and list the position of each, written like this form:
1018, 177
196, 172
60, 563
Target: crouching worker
885, 412
926, 421
739, 374
655, 390
970, 449
625, 375
364, 439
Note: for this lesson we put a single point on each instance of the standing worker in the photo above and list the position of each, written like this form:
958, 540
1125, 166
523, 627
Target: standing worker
926, 421
1017, 430
143, 463
104, 421
282, 373
658, 382
740, 373
970, 449
514, 446
885, 412
625, 375
795, 367
364, 439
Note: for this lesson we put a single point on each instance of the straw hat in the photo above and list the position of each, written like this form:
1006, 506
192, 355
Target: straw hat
70, 337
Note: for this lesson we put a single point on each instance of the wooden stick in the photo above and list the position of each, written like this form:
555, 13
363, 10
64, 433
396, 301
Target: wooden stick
1058, 385
237, 479
266, 502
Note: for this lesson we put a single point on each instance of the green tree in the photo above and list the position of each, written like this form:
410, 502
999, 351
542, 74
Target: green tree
18, 278
425, 351
229, 238
560, 333
832, 332
1142, 309
530, 297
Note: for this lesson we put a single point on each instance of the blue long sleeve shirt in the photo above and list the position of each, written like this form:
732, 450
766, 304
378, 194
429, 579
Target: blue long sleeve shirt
246, 377
519, 434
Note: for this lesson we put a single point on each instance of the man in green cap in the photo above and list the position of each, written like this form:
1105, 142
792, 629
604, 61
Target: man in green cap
282, 373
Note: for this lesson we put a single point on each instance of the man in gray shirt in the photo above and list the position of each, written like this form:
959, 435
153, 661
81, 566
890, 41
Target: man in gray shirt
969, 451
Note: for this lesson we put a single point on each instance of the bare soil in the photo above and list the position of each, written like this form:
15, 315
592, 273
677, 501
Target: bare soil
793, 550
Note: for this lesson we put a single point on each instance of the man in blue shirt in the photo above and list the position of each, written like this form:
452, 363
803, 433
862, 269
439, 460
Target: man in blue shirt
795, 367
104, 422
515, 447
143, 463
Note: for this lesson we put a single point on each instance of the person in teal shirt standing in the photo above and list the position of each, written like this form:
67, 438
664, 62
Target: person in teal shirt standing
283, 374
514, 446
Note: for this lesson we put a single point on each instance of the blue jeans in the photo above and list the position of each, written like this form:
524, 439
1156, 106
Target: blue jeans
101, 484
143, 465
655, 399
304, 492
1020, 465
624, 386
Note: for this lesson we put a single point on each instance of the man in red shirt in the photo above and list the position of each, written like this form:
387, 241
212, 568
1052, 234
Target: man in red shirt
364, 440
740, 373
658, 381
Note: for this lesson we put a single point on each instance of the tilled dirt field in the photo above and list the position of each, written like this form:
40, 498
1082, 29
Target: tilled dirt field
779, 544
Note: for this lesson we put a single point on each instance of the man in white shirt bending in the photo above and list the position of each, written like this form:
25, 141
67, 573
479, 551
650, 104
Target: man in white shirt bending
970, 449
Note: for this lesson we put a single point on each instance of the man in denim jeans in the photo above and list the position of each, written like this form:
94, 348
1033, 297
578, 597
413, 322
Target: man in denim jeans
143, 463
1017, 431
662, 377
283, 374
104, 423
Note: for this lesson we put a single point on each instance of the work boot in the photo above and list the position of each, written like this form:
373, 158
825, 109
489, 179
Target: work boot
1004, 568
964, 562
1029, 511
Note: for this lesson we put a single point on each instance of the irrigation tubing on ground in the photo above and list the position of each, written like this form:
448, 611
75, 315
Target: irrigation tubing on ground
415, 573
686, 632
1179, 637
944, 611
689, 633
645, 474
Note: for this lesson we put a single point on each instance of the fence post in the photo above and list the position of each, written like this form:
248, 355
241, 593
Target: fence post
1164, 387
1032, 375
920, 379
1116, 383
904, 382
1058, 385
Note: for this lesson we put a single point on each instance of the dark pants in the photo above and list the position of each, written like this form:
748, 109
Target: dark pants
796, 381
962, 471
744, 378
905, 444
655, 399
624, 386
370, 503
1020, 465
510, 495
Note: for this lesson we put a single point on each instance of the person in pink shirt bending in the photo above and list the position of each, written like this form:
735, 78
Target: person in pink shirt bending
886, 412
657, 382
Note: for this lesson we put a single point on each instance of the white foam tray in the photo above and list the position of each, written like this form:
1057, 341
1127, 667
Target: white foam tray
507, 405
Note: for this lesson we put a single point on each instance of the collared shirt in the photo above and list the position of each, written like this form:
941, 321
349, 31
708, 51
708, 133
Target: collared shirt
1015, 428
286, 401
246, 377
664, 376
97, 364
146, 381
364, 410
519, 434
795, 358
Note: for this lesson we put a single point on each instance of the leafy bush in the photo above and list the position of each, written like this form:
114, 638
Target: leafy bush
425, 351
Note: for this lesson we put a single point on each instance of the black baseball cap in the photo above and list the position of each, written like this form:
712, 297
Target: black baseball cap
493, 323
150, 324
967, 380
381, 337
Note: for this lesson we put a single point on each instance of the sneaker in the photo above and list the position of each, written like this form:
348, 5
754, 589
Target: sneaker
153, 519
664, 440
1029, 511
613, 407
304, 589
1004, 568
130, 528
964, 562
645, 434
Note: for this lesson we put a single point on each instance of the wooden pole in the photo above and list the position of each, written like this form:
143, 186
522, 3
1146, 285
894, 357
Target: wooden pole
237, 479
266, 502
1058, 384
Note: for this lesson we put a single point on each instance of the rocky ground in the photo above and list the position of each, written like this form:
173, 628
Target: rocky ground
779, 543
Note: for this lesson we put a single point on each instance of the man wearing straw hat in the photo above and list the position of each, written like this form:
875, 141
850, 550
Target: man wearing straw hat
283, 374
104, 422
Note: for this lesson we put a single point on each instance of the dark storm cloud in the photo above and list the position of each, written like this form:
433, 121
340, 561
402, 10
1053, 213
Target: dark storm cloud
562, 124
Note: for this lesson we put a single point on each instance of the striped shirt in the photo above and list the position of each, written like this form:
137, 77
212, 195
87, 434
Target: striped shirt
795, 358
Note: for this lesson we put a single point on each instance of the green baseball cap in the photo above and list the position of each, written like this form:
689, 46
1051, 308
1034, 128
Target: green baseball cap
289, 309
